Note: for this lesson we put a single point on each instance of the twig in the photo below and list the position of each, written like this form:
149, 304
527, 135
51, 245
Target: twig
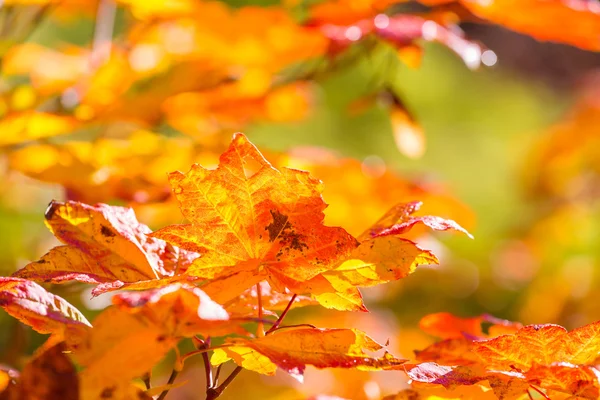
172, 378
212, 394
207, 366
282, 316
529, 394
217, 374
260, 329
544, 395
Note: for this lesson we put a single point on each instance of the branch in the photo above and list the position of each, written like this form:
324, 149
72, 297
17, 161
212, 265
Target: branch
171, 380
282, 316
212, 394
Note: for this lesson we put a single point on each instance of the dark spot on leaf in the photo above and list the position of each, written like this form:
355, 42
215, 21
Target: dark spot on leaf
279, 224
107, 393
161, 338
107, 232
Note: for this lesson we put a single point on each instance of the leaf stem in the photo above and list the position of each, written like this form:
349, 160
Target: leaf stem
213, 393
207, 366
282, 316
217, 374
260, 329
544, 395
171, 380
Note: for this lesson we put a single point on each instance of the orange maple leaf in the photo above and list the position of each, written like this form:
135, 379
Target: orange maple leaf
254, 224
291, 350
104, 245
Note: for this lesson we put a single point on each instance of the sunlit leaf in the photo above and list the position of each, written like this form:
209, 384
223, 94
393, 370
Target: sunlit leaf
292, 350
247, 216
104, 244
34, 306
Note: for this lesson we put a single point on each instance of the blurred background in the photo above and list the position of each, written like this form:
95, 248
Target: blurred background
485, 125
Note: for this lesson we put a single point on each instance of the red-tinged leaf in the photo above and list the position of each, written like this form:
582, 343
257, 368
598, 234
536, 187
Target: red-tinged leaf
104, 245
404, 30
248, 216
399, 220
178, 310
447, 326
49, 376
579, 380
34, 306
506, 385
292, 350
541, 344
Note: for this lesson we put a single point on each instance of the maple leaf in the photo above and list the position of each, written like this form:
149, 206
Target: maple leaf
382, 256
542, 344
292, 350
399, 220
580, 381
543, 355
104, 245
267, 225
34, 306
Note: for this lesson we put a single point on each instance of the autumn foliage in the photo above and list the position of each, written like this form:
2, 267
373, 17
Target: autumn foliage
245, 236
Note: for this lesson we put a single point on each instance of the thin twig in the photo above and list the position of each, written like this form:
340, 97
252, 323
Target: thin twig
282, 316
207, 366
260, 329
217, 374
171, 380
293, 326
212, 394
544, 395
529, 394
